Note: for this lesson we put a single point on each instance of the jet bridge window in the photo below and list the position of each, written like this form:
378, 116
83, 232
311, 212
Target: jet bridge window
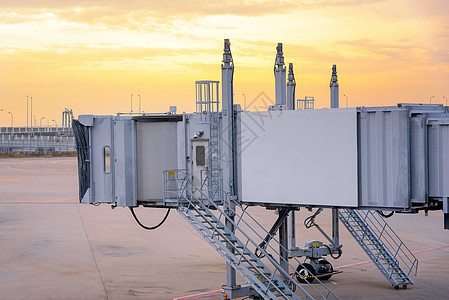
200, 155
107, 159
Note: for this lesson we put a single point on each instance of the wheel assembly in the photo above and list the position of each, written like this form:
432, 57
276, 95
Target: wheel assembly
324, 267
305, 273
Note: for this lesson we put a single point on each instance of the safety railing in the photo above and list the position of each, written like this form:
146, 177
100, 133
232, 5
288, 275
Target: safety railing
37, 144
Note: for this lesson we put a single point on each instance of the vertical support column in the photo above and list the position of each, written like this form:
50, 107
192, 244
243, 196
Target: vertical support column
283, 241
227, 74
335, 104
280, 76
446, 212
334, 88
335, 227
291, 87
289, 223
291, 230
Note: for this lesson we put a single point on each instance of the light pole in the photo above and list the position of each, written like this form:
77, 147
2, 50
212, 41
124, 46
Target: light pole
139, 104
27, 114
430, 101
40, 123
446, 100
131, 104
32, 114
346, 100
12, 122
244, 102
56, 123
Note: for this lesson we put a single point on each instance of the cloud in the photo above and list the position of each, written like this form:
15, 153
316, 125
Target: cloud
59, 58
403, 55
138, 13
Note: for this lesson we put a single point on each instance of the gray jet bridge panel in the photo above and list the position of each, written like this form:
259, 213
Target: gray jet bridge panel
156, 151
101, 167
384, 163
125, 168
438, 136
112, 154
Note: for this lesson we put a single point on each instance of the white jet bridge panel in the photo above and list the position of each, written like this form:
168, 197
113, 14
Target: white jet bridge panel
299, 157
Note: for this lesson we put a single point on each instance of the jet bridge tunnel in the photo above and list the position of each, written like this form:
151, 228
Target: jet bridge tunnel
385, 158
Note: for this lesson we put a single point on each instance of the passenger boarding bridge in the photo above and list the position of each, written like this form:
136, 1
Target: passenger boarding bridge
363, 163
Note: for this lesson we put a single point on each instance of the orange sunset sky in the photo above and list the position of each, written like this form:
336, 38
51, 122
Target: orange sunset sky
91, 55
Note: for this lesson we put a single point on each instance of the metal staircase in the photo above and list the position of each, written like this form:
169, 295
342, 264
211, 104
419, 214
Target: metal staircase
382, 245
239, 248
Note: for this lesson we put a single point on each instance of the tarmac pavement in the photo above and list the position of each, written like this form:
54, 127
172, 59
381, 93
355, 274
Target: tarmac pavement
52, 247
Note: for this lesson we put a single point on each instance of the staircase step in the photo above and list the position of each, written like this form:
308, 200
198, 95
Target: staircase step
231, 240
276, 288
273, 281
284, 294
209, 221
252, 267
264, 273
205, 215
245, 253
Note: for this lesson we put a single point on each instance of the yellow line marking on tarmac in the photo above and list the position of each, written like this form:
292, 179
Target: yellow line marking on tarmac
11, 179
39, 202
31, 171
46, 179
41, 179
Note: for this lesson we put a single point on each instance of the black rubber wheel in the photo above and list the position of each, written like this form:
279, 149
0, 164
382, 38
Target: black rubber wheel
404, 286
305, 273
325, 267
396, 287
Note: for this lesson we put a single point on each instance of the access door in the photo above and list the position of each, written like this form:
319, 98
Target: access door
200, 165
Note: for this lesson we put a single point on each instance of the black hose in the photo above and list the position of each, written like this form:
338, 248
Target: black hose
331, 254
385, 215
146, 227
310, 221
